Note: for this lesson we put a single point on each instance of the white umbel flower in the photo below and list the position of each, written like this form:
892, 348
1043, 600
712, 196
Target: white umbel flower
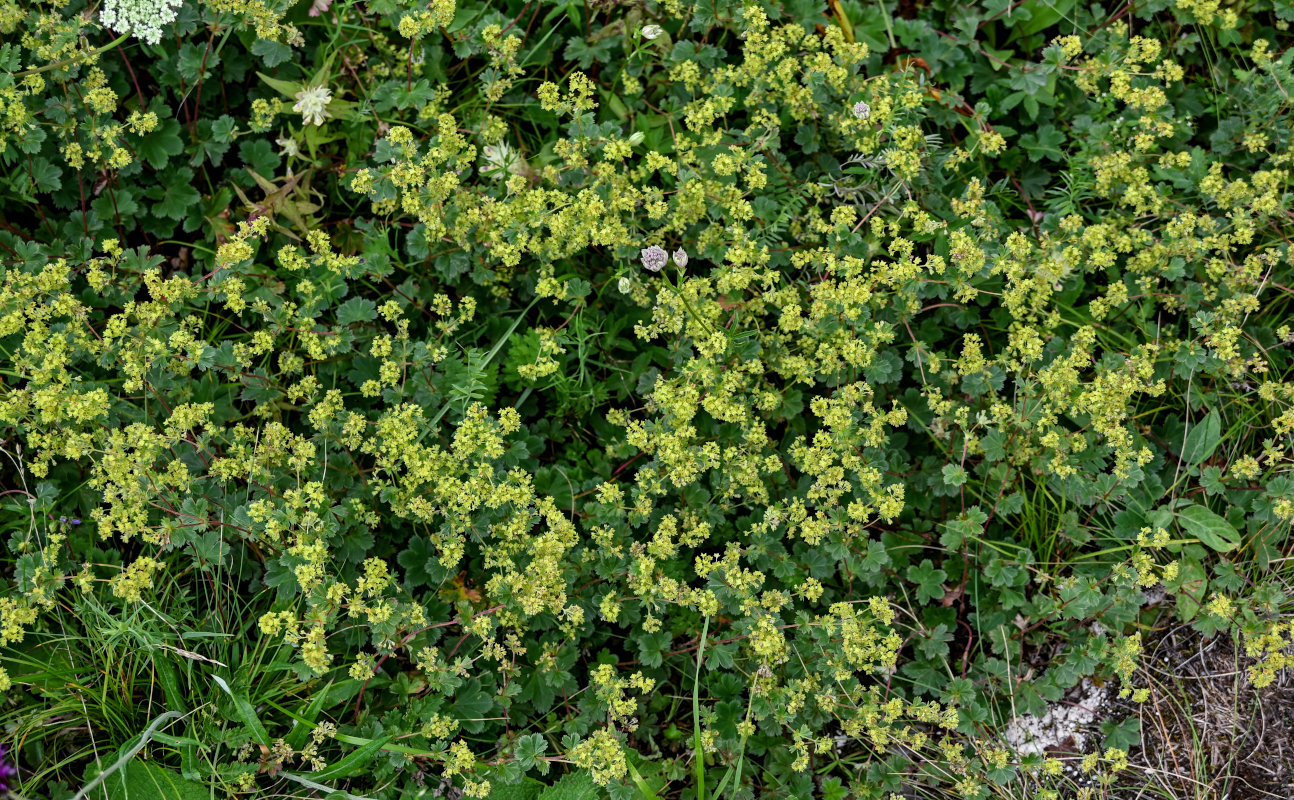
142, 18
650, 32
312, 104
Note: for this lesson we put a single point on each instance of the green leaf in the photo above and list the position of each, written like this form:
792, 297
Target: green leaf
1211, 481
929, 580
10, 58
356, 309
833, 789
224, 128
529, 748
421, 563
1202, 439
271, 53
1189, 586
575, 786
245, 712
286, 88
1122, 735
176, 741
158, 145
1044, 143
352, 762
528, 789
196, 62
297, 736
30, 140
334, 794
954, 474
1209, 528
176, 195
645, 791
259, 156
96, 776
471, 705
46, 176
1038, 15
144, 780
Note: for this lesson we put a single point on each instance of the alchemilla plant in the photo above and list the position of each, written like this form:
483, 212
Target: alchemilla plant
631, 399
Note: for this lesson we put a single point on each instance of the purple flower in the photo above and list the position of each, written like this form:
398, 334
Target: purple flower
862, 110
7, 770
680, 258
654, 258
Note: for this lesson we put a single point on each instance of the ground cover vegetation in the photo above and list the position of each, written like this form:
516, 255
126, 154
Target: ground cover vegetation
533, 399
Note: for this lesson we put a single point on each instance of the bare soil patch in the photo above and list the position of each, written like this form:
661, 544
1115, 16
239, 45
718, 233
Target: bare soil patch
1206, 731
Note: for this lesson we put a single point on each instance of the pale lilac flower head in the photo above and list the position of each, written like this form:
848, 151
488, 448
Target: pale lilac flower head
655, 257
862, 110
680, 258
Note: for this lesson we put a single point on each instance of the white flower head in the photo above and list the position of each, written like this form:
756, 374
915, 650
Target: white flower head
650, 32
624, 285
143, 18
500, 160
680, 258
288, 146
655, 257
862, 110
312, 104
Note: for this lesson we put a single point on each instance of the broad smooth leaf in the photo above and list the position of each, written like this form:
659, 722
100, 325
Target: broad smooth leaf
1202, 439
1209, 528
352, 762
144, 780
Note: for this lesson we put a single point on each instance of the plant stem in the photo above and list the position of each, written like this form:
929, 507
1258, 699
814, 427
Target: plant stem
698, 754
686, 305
76, 58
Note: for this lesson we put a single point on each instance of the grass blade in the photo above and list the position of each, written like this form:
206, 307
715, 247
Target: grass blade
698, 754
